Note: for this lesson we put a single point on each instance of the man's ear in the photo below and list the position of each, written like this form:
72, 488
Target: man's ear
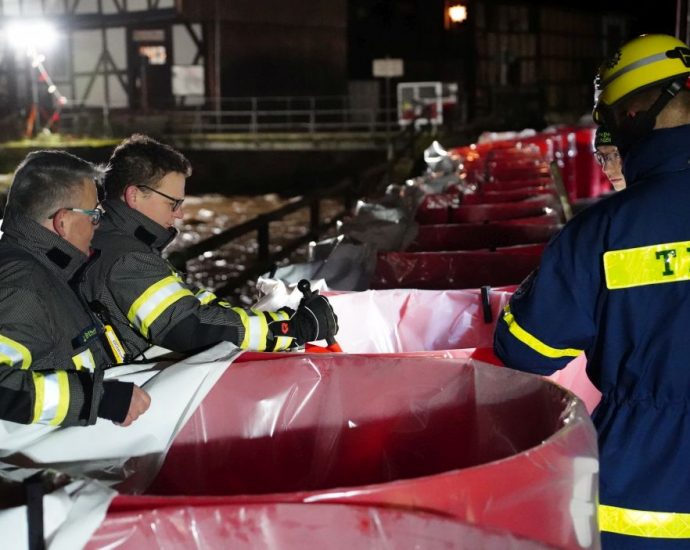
59, 223
130, 196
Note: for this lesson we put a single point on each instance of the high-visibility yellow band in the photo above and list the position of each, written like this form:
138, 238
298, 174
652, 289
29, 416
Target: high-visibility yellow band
14, 354
282, 342
647, 265
84, 360
205, 297
255, 329
154, 301
63, 403
640, 523
38, 396
244, 319
533, 342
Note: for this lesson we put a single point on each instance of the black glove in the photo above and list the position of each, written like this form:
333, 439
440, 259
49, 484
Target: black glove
313, 320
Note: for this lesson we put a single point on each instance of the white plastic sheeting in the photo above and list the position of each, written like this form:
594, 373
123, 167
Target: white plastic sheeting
71, 515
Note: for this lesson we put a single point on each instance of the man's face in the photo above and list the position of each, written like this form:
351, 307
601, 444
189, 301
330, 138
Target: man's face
77, 226
609, 159
159, 204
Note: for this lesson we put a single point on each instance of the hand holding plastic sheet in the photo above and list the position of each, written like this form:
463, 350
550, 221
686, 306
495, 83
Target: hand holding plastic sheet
175, 391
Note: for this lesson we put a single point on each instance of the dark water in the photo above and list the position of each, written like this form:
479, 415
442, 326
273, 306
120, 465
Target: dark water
206, 215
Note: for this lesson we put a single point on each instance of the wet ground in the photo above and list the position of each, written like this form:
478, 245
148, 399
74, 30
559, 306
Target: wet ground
207, 215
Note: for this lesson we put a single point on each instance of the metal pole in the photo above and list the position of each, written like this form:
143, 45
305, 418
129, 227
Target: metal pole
34, 99
389, 141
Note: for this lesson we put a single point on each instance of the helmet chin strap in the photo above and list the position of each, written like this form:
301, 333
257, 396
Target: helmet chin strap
633, 128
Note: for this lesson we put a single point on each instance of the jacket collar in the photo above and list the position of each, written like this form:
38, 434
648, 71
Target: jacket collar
54, 252
662, 151
136, 224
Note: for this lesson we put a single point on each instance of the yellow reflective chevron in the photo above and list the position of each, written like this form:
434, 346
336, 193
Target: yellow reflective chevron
255, 328
640, 523
533, 342
282, 342
14, 354
647, 265
205, 296
154, 301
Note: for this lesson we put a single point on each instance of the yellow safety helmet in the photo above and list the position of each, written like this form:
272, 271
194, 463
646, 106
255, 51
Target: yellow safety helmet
648, 60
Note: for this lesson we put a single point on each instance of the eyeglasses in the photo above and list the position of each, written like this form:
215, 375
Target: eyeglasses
176, 203
96, 214
603, 159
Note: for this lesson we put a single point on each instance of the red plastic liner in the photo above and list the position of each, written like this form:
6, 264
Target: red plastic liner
296, 527
476, 236
487, 445
458, 269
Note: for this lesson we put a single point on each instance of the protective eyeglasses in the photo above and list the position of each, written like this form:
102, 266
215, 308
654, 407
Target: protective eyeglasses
96, 214
176, 203
604, 159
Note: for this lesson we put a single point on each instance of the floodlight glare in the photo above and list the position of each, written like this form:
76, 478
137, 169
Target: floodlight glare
457, 13
31, 36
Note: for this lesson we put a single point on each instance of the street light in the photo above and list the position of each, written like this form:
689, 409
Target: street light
27, 36
456, 13
33, 38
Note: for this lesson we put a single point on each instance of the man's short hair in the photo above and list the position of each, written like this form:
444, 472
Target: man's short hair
46, 181
141, 160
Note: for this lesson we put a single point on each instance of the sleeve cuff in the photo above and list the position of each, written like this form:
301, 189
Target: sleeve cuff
117, 397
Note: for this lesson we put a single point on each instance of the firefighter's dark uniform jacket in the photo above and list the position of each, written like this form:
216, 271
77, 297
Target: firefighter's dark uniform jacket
615, 283
147, 301
51, 358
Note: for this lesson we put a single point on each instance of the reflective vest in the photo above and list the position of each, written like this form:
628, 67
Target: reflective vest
615, 284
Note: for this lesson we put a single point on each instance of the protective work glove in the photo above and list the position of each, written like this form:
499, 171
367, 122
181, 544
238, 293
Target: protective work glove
313, 320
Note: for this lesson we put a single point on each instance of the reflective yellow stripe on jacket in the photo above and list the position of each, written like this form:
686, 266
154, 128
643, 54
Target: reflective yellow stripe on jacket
205, 296
154, 301
640, 523
255, 328
84, 360
282, 342
14, 354
647, 265
533, 342
52, 397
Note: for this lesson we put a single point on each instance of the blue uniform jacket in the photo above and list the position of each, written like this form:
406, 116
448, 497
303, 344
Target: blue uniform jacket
615, 283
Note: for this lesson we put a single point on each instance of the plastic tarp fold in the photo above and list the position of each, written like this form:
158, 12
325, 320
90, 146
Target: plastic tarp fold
344, 265
70, 516
105, 451
487, 445
448, 323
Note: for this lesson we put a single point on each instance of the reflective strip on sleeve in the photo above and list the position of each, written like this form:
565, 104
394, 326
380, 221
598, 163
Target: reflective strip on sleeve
84, 360
647, 265
205, 297
52, 397
638, 523
282, 342
14, 354
154, 301
534, 343
255, 329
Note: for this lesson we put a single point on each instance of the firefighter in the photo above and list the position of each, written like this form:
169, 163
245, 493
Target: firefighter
51, 353
608, 157
145, 299
615, 283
